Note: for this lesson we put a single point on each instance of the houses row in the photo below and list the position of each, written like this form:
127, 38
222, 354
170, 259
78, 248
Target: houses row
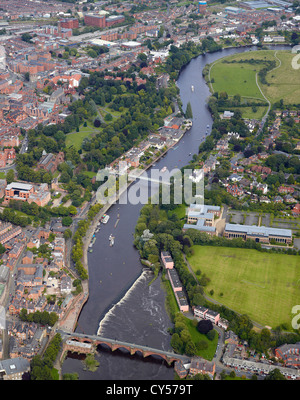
213, 316
175, 281
287, 361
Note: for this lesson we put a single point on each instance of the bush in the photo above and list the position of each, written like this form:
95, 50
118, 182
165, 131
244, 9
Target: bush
211, 335
97, 123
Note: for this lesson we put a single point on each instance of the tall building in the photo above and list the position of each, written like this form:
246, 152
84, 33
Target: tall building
202, 7
95, 20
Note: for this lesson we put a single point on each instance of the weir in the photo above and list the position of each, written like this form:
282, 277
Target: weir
110, 312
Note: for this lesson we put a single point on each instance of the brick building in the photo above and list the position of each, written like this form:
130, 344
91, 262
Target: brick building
95, 20
7, 156
49, 162
69, 23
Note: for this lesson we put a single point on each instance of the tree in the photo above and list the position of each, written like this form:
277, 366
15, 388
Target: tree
211, 334
67, 221
190, 349
26, 37
204, 326
176, 343
97, 123
67, 234
188, 112
275, 375
10, 176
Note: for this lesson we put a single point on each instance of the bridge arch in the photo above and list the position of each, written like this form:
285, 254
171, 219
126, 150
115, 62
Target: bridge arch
132, 349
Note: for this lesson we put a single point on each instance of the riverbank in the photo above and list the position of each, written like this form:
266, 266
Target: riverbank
70, 321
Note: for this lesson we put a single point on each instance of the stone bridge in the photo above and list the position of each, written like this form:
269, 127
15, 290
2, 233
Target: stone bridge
83, 343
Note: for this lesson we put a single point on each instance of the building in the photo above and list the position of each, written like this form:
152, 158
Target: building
260, 234
49, 162
7, 156
18, 191
200, 366
178, 290
213, 316
38, 194
69, 23
199, 312
14, 369
95, 20
202, 7
206, 313
167, 260
201, 217
290, 354
180, 369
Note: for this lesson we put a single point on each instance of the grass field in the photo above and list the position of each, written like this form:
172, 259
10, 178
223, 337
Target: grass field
284, 81
240, 78
75, 138
196, 336
263, 286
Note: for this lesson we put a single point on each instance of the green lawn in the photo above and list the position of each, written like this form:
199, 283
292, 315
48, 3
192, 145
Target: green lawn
284, 82
263, 286
75, 138
196, 336
247, 112
239, 78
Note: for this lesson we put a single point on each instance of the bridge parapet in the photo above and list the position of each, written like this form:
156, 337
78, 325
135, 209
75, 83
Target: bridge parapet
92, 341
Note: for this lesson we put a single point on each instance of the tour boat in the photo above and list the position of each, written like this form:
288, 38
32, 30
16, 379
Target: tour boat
105, 219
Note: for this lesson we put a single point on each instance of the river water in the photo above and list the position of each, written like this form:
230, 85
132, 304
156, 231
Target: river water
122, 305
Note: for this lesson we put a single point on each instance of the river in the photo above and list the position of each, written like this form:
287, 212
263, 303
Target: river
115, 272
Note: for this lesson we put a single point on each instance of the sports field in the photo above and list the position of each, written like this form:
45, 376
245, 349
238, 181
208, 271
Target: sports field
264, 286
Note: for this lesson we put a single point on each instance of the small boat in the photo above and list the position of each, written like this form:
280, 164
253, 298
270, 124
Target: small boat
111, 240
163, 169
192, 88
105, 219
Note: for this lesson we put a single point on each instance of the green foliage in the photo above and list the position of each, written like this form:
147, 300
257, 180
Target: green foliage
41, 367
39, 317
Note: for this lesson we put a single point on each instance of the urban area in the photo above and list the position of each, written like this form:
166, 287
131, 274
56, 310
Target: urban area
90, 85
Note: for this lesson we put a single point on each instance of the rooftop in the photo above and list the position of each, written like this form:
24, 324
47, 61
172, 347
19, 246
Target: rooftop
258, 230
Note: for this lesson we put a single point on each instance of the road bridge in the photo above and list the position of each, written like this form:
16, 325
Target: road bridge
115, 344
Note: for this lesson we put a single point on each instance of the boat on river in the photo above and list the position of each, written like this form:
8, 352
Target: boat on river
163, 169
105, 219
192, 88
111, 240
